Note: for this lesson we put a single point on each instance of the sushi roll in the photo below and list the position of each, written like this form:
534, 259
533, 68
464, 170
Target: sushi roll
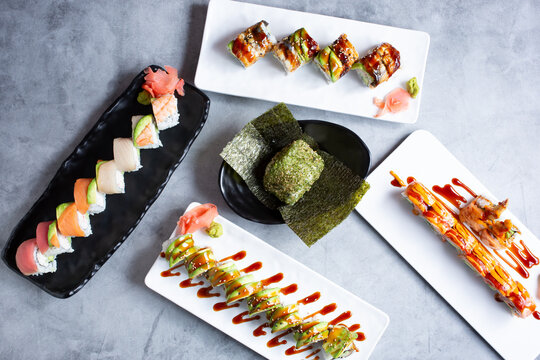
223, 274
340, 342
284, 317
50, 241
296, 50
461, 238
145, 132
87, 197
71, 222
200, 262
378, 65
165, 110
264, 300
109, 179
252, 44
311, 332
337, 59
30, 261
126, 156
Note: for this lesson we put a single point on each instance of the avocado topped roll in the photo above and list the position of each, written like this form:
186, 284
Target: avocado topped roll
71, 222
87, 197
177, 249
292, 171
58, 243
200, 262
263, 300
223, 274
311, 332
340, 342
252, 44
296, 50
145, 132
337, 59
378, 65
284, 317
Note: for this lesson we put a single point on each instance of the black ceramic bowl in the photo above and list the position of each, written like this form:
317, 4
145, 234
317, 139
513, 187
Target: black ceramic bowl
123, 211
335, 139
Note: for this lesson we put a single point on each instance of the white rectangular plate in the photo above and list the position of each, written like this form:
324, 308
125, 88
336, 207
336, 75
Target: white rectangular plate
219, 71
422, 156
373, 321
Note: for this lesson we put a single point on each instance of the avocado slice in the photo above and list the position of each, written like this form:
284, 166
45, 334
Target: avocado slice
218, 271
200, 262
261, 297
281, 311
322, 59
98, 164
230, 45
52, 232
367, 79
178, 255
238, 282
311, 333
60, 209
178, 246
91, 193
227, 277
141, 124
286, 322
340, 342
244, 291
265, 305
335, 67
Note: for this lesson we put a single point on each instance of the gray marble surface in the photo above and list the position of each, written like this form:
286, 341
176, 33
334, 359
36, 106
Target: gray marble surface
64, 62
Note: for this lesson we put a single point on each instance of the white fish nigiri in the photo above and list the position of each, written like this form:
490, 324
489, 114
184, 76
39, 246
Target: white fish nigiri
109, 179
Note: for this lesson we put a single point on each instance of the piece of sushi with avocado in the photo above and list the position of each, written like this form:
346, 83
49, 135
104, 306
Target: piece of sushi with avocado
296, 50
200, 262
145, 132
378, 65
311, 332
340, 342
337, 59
252, 44
95, 198
292, 172
264, 300
58, 243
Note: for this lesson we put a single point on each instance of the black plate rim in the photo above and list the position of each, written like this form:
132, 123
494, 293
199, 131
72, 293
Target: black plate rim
302, 123
154, 197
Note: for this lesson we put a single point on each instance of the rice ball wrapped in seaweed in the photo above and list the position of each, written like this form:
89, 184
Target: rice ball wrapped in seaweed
292, 171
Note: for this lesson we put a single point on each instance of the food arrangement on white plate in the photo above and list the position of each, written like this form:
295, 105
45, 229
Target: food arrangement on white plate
307, 174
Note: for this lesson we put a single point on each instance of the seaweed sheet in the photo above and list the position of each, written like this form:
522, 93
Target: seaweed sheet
332, 197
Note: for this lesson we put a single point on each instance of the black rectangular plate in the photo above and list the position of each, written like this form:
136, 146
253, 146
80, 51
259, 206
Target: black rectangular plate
124, 211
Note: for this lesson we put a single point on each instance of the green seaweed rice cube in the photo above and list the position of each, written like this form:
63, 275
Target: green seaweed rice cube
292, 171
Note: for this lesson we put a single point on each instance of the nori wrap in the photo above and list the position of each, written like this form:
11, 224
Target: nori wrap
331, 198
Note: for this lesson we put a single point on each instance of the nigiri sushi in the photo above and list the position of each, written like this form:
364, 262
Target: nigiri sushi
109, 179
71, 222
60, 245
296, 50
30, 261
252, 44
378, 65
145, 132
337, 59
165, 110
126, 156
87, 197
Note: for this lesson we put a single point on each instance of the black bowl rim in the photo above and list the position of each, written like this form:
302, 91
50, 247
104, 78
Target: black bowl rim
302, 122
102, 261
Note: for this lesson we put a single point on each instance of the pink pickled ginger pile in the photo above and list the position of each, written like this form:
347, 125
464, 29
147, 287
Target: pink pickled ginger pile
397, 100
163, 82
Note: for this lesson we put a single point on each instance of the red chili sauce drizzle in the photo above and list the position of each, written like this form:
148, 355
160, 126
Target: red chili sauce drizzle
260, 330
309, 299
275, 341
187, 283
205, 292
354, 327
536, 315
289, 289
239, 319
253, 267
324, 311
293, 350
450, 194
458, 182
223, 306
314, 353
236, 257
170, 272
273, 279
342, 317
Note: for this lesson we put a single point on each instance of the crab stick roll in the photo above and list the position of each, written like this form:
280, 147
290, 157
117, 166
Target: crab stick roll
59, 245
126, 155
30, 261
109, 179
71, 222
165, 110
252, 44
145, 132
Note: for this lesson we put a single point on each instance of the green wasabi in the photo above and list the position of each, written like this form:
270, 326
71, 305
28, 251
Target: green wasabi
412, 87
144, 98
215, 230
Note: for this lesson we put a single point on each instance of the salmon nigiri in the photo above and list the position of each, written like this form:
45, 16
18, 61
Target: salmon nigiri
197, 218
165, 111
71, 222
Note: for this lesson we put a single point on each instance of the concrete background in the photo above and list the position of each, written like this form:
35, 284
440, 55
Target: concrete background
64, 62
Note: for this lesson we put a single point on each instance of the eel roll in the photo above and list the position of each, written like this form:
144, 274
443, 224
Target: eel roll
252, 44
337, 59
296, 50
378, 65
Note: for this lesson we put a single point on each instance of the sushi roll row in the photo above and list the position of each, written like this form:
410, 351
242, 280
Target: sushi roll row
299, 48
337, 340
469, 249
38, 255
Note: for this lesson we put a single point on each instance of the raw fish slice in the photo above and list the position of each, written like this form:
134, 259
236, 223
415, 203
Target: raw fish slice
68, 222
42, 232
197, 218
26, 262
165, 111
126, 155
110, 180
80, 191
